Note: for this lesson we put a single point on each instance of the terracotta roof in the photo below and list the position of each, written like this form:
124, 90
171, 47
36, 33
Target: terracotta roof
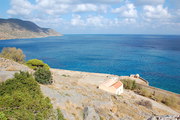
117, 84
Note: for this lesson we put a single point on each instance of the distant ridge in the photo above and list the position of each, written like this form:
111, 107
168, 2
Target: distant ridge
16, 28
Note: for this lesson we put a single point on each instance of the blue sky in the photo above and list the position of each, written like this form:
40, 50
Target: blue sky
98, 16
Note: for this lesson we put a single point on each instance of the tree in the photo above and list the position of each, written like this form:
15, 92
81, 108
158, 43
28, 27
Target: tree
43, 76
35, 64
13, 54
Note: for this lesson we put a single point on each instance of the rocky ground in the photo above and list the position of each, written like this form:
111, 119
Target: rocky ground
75, 95
9, 67
165, 117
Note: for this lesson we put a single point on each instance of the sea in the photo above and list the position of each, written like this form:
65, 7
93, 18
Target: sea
155, 57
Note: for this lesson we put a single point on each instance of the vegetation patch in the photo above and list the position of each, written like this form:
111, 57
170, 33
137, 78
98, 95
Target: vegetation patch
13, 53
35, 64
2, 116
65, 75
129, 84
60, 115
145, 103
43, 76
145, 92
21, 98
171, 101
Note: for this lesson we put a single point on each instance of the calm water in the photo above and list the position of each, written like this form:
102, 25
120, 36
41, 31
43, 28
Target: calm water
155, 57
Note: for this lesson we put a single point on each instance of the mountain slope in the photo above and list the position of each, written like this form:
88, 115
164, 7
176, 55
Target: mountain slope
16, 28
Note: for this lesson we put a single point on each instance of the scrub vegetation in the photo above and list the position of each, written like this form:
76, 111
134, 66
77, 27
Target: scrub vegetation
21, 98
35, 64
13, 53
169, 100
43, 76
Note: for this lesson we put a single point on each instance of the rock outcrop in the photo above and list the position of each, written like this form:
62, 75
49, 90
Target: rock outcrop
165, 117
16, 28
90, 114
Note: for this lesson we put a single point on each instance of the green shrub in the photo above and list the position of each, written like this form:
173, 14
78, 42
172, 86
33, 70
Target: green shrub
60, 115
129, 84
2, 116
13, 54
43, 76
21, 98
35, 64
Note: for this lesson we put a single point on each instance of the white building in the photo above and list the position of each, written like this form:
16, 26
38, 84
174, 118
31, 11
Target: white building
112, 86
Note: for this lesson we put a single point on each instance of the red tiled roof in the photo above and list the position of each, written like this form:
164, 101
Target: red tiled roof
117, 84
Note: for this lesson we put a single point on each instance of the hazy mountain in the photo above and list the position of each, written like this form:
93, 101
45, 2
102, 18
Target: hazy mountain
16, 28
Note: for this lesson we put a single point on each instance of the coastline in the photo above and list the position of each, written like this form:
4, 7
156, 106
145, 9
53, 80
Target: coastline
73, 90
103, 76
31, 37
87, 77
68, 81
130, 61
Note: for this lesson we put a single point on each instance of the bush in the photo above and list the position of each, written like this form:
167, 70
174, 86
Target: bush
43, 76
145, 92
145, 103
2, 116
22, 99
35, 64
171, 101
60, 115
158, 97
129, 84
13, 54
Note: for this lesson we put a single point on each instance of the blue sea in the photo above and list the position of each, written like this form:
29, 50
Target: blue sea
155, 57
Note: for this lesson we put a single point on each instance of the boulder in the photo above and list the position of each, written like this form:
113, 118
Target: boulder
90, 114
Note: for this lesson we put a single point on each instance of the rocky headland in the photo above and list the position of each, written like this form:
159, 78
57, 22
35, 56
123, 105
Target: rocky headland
16, 28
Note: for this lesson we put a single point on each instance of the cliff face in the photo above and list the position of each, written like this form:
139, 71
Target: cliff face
16, 28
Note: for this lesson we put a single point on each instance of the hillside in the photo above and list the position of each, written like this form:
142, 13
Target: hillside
78, 97
16, 28
74, 92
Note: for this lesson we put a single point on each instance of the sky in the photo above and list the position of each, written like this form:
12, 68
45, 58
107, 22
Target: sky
98, 16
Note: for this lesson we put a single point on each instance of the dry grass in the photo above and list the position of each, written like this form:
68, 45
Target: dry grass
11, 68
108, 106
169, 100
145, 103
145, 92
